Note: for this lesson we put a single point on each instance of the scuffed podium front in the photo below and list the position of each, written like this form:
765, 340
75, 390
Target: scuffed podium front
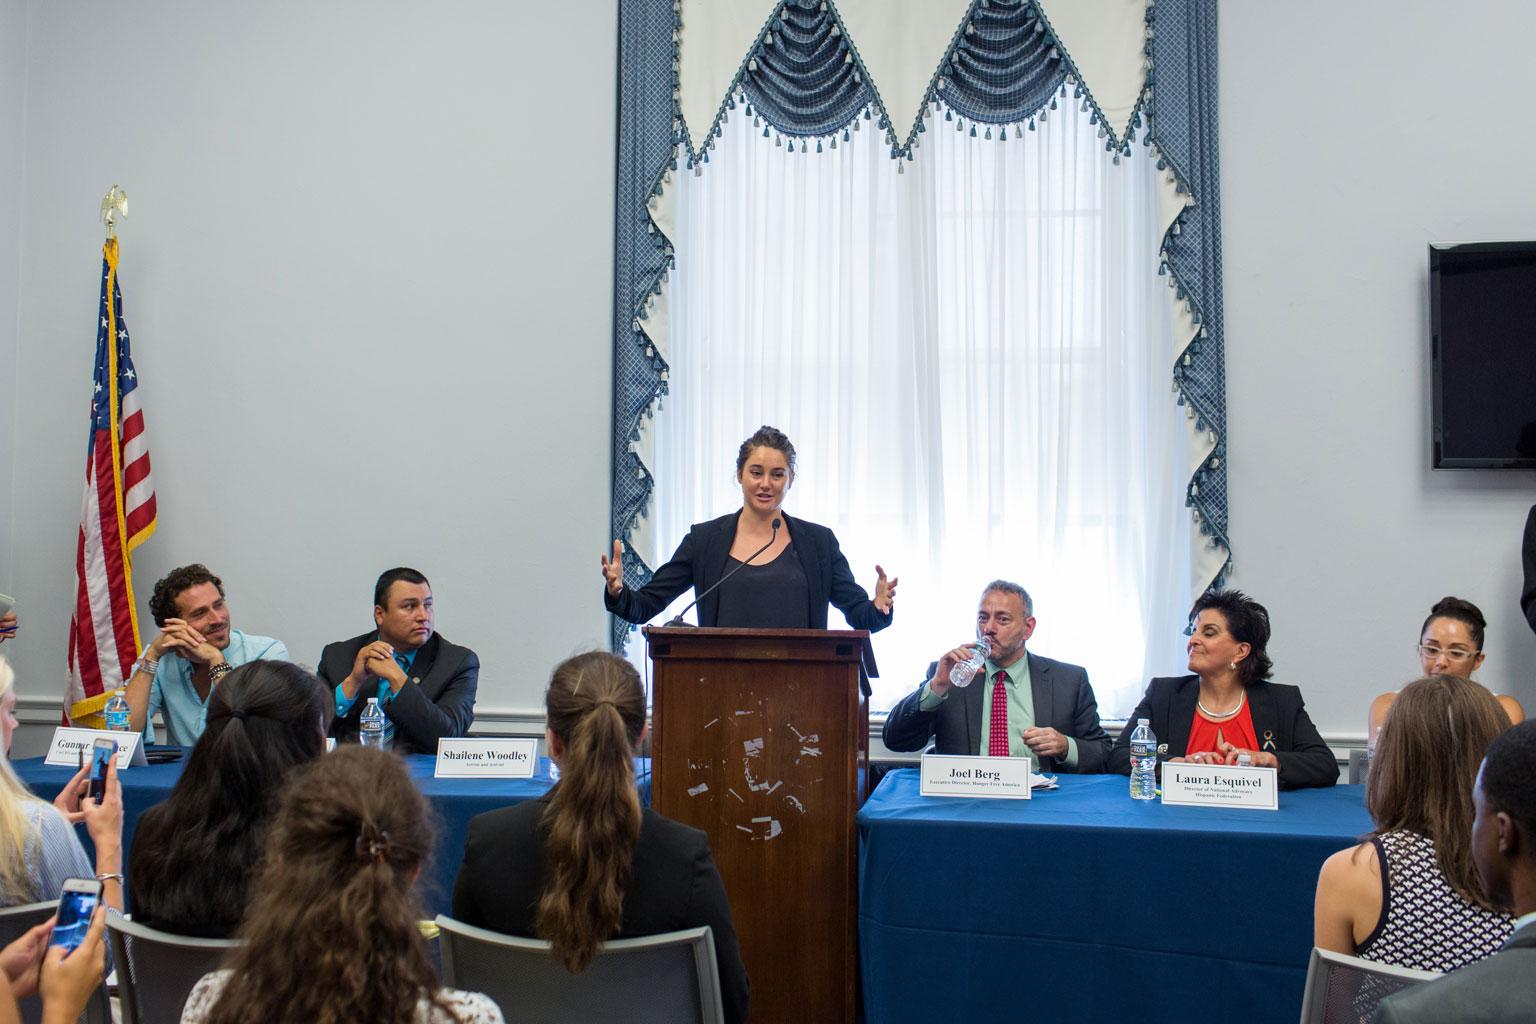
761, 739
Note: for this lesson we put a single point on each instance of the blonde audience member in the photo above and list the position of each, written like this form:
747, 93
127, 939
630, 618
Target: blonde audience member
38, 845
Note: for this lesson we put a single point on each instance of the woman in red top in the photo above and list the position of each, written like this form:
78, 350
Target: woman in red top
1228, 708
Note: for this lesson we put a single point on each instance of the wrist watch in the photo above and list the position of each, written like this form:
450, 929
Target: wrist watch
219, 671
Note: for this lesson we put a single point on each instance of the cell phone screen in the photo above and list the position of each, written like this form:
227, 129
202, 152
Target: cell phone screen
75, 909
102, 753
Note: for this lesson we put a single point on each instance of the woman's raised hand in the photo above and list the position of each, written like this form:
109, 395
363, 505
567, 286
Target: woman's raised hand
885, 591
613, 569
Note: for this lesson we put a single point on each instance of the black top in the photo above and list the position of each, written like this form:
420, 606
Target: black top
700, 561
771, 596
1280, 721
1528, 558
673, 884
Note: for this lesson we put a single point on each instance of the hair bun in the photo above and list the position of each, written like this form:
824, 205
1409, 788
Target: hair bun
1459, 608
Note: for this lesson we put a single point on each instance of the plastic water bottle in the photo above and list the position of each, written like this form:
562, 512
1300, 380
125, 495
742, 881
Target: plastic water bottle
371, 730
965, 671
116, 712
1143, 762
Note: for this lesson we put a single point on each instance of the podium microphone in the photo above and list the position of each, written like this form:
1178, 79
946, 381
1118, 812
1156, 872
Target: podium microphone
677, 620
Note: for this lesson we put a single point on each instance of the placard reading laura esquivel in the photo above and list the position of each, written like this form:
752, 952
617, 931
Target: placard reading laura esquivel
1221, 785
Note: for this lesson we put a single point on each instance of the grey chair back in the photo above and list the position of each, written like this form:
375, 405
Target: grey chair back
157, 970
14, 923
1345, 989
657, 979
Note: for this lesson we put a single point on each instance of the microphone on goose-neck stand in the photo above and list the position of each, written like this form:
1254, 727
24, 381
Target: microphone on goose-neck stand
677, 620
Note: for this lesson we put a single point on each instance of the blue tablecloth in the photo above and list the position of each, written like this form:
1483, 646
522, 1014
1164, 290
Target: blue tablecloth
1084, 905
455, 801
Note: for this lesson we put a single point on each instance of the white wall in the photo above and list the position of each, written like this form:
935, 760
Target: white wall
13, 93
1353, 135
367, 273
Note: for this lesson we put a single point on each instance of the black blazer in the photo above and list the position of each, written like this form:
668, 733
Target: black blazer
1279, 715
673, 884
1528, 557
438, 701
1063, 700
1499, 988
701, 558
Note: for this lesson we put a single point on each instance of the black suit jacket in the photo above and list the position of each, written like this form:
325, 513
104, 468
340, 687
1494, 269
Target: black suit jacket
1279, 716
1528, 557
1500, 989
700, 561
438, 701
1063, 700
673, 884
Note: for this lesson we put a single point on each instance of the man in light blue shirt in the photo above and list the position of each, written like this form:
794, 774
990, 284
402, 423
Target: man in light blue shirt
195, 649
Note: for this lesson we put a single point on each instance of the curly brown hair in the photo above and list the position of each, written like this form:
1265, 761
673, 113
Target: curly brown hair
162, 603
330, 932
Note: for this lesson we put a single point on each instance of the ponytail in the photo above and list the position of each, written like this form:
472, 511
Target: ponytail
597, 709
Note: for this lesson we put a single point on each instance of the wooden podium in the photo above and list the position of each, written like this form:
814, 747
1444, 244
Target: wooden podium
761, 739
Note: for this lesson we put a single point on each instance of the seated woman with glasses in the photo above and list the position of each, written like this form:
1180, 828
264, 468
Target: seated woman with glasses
1451, 644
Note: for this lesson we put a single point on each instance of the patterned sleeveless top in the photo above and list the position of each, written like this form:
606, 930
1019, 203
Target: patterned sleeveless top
1425, 924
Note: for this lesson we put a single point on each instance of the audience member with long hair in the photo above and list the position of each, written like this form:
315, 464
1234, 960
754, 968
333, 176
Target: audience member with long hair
38, 845
585, 863
195, 854
1410, 895
331, 926
1450, 644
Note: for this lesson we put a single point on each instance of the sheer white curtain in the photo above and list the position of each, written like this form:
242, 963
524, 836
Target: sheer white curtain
973, 359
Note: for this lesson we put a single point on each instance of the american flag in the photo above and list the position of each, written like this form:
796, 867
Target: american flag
116, 516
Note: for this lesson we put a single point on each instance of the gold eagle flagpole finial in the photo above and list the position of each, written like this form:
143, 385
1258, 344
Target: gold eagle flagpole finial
113, 205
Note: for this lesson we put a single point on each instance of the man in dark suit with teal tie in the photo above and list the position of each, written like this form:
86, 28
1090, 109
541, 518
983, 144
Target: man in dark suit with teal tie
424, 684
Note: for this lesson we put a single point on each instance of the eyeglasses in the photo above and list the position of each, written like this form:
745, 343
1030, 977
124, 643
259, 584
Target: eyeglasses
1454, 655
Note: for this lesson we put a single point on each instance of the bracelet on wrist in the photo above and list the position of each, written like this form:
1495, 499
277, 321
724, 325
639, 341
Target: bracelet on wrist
110, 876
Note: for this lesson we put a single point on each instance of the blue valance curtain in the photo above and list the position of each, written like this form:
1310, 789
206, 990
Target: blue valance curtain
803, 81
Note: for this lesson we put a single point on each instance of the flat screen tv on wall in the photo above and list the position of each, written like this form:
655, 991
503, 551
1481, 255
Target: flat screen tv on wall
1482, 310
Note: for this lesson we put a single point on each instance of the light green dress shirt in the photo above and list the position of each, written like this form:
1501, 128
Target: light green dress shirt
1021, 711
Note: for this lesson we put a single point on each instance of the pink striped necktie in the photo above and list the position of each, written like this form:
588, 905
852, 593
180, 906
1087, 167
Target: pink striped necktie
997, 735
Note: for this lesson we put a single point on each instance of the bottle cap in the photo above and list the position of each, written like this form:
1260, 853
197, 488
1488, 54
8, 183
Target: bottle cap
1141, 721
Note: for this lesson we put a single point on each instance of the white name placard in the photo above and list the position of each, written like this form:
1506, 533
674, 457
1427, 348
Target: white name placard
1221, 785
1005, 778
486, 758
69, 744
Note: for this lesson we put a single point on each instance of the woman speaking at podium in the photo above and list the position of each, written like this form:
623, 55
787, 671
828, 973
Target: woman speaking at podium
756, 568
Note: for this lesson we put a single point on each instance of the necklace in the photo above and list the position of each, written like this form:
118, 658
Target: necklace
1221, 715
